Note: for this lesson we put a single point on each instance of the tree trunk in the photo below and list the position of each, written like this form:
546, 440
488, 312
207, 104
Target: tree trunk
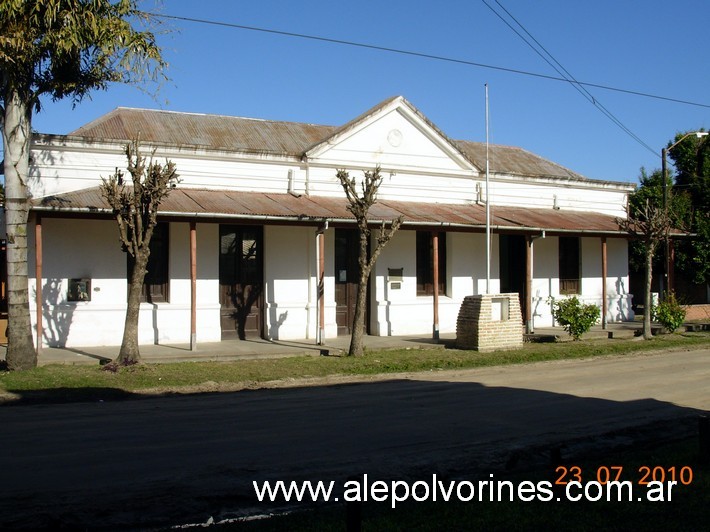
647, 335
21, 353
130, 352
357, 347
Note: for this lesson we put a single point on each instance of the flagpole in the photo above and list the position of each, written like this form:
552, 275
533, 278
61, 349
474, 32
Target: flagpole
488, 210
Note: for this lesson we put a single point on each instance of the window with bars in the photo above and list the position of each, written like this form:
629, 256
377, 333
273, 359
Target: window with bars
157, 281
569, 265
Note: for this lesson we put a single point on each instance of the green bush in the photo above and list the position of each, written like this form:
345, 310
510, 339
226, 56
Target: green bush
669, 313
574, 317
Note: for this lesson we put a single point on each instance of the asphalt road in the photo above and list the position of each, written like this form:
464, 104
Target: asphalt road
161, 461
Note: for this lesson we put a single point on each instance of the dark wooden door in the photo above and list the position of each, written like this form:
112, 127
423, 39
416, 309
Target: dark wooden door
513, 269
347, 247
241, 281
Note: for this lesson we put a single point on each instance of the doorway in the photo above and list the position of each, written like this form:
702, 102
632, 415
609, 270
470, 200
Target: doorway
513, 270
241, 281
347, 248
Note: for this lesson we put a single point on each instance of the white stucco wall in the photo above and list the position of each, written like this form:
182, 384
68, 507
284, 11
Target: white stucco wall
90, 249
546, 278
618, 299
547, 194
419, 169
395, 138
394, 312
402, 311
546, 281
69, 167
291, 277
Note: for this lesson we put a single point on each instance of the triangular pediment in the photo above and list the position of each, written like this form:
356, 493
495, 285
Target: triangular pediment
395, 136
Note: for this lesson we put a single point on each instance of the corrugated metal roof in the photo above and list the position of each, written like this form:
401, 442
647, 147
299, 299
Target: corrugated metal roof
207, 131
288, 138
280, 208
515, 161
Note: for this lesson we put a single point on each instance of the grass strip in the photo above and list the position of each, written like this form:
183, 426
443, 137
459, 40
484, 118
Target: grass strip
65, 382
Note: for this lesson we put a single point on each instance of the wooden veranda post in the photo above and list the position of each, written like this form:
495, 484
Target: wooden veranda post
528, 283
604, 275
435, 253
321, 287
671, 266
38, 281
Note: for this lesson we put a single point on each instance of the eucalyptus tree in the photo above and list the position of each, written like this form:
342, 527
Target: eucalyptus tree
56, 49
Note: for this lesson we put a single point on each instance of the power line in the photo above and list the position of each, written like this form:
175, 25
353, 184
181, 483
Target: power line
428, 56
562, 71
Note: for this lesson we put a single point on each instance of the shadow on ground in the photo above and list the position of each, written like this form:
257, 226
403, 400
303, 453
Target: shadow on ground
166, 461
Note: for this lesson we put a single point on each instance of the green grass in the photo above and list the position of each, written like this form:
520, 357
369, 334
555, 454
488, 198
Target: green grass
687, 510
65, 382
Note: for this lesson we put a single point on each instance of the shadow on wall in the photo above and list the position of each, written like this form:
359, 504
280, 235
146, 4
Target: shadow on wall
156, 331
538, 302
45, 158
276, 323
243, 299
621, 311
57, 315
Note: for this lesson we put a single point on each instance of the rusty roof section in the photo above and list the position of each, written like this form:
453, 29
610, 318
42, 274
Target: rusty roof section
222, 205
289, 138
514, 161
205, 131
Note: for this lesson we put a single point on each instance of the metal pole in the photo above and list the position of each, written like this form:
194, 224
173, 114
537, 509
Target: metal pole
488, 210
667, 256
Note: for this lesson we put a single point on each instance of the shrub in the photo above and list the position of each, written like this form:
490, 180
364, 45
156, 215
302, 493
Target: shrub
669, 313
574, 317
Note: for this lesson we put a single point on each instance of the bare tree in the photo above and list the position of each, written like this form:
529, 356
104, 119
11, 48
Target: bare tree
135, 206
651, 222
359, 203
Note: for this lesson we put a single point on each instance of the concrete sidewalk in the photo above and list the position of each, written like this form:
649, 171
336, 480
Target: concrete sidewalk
230, 350
259, 348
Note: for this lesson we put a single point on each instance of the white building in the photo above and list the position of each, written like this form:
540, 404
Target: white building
255, 195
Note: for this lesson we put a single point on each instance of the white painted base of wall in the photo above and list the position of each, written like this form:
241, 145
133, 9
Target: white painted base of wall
86, 324
297, 321
618, 309
413, 317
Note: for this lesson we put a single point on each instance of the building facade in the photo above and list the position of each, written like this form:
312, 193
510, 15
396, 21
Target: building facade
257, 241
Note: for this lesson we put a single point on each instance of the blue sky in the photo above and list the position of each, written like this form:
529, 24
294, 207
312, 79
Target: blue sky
647, 46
